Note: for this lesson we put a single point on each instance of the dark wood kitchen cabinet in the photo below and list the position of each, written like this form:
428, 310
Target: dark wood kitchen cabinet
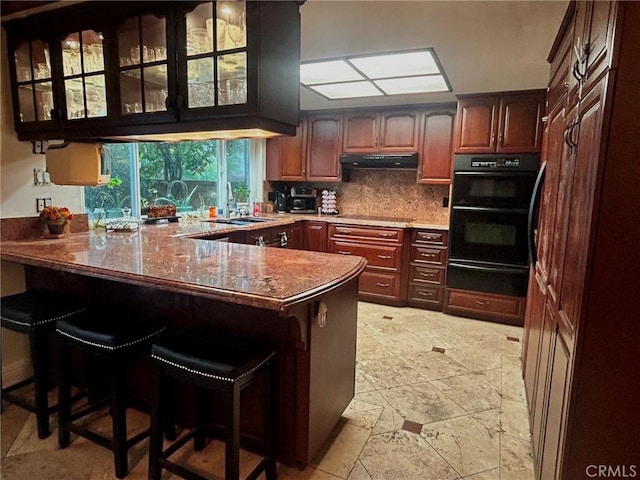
384, 279
141, 68
581, 334
381, 131
507, 122
435, 151
311, 155
427, 268
315, 236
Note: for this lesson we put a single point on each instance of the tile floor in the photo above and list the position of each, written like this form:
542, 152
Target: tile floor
437, 397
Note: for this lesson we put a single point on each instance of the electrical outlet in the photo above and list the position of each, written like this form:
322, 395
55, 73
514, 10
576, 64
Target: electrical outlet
39, 204
47, 201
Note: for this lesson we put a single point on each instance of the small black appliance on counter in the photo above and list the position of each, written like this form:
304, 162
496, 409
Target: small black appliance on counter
303, 200
280, 201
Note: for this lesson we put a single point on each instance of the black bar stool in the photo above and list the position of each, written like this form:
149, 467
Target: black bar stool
115, 338
35, 313
208, 359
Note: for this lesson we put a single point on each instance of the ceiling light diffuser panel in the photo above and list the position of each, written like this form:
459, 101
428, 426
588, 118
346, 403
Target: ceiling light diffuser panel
396, 64
423, 84
399, 73
335, 91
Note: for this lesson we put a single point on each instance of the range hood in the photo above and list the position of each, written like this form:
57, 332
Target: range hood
373, 161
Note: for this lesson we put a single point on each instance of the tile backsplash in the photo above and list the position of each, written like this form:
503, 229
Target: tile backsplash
388, 193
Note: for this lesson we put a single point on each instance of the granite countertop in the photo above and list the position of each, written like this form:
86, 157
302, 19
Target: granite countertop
270, 278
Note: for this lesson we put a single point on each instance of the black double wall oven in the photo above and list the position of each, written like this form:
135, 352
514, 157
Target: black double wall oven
488, 249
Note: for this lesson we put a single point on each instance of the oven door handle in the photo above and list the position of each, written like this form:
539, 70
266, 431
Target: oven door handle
533, 214
478, 268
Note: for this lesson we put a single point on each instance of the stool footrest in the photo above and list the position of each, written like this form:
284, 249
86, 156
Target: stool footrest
180, 470
179, 443
18, 385
87, 410
101, 440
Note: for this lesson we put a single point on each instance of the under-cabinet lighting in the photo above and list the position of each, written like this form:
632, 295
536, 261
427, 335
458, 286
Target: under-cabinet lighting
397, 73
207, 135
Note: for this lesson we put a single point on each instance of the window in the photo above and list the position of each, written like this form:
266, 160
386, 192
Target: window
190, 175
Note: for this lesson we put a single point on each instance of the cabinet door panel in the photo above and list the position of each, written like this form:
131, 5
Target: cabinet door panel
315, 236
477, 124
398, 132
600, 39
520, 123
436, 147
361, 132
292, 158
324, 143
580, 212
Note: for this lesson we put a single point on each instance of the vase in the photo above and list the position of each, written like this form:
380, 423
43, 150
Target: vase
56, 228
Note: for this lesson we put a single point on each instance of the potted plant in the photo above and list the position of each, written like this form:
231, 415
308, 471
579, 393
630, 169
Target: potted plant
56, 218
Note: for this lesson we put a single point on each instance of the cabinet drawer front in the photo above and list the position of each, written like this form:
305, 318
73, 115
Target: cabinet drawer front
433, 237
381, 256
376, 283
424, 293
436, 256
382, 234
427, 275
508, 306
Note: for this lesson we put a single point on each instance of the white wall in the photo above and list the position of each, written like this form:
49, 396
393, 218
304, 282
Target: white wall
17, 161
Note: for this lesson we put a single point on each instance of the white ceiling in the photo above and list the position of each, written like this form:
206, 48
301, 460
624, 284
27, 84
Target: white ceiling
483, 46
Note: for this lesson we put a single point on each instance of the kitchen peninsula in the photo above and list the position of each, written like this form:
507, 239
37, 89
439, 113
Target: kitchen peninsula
271, 293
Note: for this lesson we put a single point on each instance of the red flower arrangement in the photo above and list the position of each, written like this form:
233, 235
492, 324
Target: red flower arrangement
56, 214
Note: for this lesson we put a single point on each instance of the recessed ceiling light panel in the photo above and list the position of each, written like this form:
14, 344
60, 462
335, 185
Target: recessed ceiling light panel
422, 84
347, 90
327, 72
396, 64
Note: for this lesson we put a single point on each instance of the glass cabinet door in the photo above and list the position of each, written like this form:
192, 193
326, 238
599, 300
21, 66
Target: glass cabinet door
216, 54
34, 79
84, 75
142, 47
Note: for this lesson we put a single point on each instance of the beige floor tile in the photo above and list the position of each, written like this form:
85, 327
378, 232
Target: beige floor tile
493, 474
368, 348
364, 418
27, 440
359, 472
382, 326
420, 320
514, 419
403, 455
341, 452
490, 419
474, 392
362, 384
513, 385
309, 473
68, 464
421, 403
433, 365
12, 421
404, 344
516, 459
388, 372
476, 359
464, 443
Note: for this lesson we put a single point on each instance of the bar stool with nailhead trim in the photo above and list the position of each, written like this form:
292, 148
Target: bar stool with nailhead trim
208, 359
117, 339
35, 313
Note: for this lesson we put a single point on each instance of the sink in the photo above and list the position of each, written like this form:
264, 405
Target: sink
237, 221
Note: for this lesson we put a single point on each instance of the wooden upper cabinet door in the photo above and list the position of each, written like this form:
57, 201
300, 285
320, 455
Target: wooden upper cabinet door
324, 144
361, 132
436, 147
477, 124
520, 123
600, 39
398, 132
293, 162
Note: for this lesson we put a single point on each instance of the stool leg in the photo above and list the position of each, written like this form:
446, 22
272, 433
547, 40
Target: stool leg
39, 351
157, 422
64, 396
201, 407
232, 447
271, 425
119, 413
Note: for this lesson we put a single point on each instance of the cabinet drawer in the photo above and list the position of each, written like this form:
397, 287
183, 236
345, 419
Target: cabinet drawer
378, 234
425, 293
426, 275
376, 283
433, 237
434, 255
382, 256
485, 306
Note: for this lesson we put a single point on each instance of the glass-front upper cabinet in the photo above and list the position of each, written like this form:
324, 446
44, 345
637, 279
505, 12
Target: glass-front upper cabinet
215, 49
143, 64
84, 75
34, 81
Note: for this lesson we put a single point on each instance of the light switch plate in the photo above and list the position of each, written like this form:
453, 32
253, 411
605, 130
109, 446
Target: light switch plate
47, 202
39, 204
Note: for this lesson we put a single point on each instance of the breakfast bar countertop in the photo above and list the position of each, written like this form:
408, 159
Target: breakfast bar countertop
156, 256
